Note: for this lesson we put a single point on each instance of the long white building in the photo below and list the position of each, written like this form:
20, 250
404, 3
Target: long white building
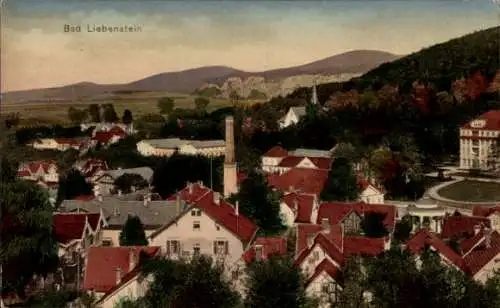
167, 147
479, 142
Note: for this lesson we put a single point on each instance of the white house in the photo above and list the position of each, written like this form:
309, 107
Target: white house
292, 117
167, 147
370, 193
210, 226
278, 160
45, 171
60, 144
480, 141
113, 273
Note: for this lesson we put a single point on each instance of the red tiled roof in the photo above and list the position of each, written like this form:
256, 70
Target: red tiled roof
482, 255
270, 246
321, 162
305, 180
362, 245
23, 173
34, 166
276, 151
424, 238
492, 119
329, 244
223, 213
484, 211
468, 244
70, 226
325, 266
105, 137
290, 161
336, 211
303, 232
304, 205
102, 262
462, 225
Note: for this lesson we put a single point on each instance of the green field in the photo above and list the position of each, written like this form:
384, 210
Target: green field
139, 103
472, 191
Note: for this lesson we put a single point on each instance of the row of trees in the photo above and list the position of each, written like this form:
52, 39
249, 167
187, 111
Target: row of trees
97, 113
166, 105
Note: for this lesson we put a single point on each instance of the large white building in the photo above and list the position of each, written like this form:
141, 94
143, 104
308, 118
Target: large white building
167, 147
479, 142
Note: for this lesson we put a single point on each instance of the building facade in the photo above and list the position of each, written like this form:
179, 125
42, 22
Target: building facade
480, 141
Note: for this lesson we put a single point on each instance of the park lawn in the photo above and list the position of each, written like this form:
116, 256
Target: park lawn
472, 191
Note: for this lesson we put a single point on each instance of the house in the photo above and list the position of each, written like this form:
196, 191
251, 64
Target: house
106, 127
292, 117
477, 256
490, 212
113, 273
153, 213
349, 215
479, 142
75, 232
60, 144
322, 251
105, 183
167, 147
45, 171
91, 168
261, 250
370, 192
108, 137
296, 208
278, 160
209, 225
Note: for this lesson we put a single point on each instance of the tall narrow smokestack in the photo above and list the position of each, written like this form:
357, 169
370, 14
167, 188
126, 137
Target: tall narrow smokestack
230, 169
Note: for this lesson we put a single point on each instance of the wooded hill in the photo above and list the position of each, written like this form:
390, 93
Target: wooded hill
439, 65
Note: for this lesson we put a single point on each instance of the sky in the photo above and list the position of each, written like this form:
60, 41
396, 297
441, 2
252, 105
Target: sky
256, 35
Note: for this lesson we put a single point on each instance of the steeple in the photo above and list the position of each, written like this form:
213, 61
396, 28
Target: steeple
230, 169
314, 96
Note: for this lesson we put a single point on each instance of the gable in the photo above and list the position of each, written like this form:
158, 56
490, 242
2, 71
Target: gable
306, 163
351, 216
370, 191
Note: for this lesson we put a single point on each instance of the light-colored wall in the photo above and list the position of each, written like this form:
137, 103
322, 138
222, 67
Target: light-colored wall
481, 149
289, 119
495, 221
230, 179
183, 231
315, 289
287, 215
131, 290
114, 235
270, 164
488, 270
371, 196
145, 149
45, 144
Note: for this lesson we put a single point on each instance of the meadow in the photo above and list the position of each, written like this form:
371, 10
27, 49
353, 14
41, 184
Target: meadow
39, 112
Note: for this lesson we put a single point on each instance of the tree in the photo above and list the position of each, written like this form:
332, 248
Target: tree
201, 103
12, 120
342, 183
77, 116
95, 113
275, 282
403, 229
127, 117
259, 203
109, 114
72, 185
133, 233
354, 285
373, 224
28, 246
125, 182
196, 284
8, 170
165, 105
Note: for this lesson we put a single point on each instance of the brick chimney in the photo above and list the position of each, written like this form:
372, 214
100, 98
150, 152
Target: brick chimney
133, 259
217, 198
119, 273
325, 225
230, 166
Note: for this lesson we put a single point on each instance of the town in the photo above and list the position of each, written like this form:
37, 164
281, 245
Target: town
379, 191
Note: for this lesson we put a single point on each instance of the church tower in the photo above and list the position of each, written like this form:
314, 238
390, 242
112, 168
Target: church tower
230, 169
314, 96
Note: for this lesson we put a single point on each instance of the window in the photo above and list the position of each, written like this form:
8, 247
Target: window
196, 226
195, 212
221, 247
217, 227
196, 250
107, 242
330, 289
173, 247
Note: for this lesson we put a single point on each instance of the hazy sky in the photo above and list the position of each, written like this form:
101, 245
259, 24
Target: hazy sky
248, 35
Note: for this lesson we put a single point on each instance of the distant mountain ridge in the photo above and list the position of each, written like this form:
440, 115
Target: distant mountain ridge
187, 81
